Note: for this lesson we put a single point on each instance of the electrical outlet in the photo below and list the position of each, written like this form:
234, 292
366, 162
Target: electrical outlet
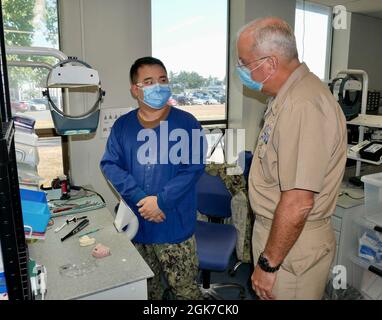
107, 118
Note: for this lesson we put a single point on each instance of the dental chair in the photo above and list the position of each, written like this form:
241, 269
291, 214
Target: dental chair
215, 241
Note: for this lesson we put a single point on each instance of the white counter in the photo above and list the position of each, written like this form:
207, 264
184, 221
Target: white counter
122, 275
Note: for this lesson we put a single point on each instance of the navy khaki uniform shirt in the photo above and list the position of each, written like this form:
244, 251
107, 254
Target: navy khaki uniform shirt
301, 146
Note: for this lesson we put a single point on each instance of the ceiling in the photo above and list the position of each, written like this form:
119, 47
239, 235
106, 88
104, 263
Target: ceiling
368, 7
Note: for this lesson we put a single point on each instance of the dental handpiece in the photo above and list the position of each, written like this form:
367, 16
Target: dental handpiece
78, 228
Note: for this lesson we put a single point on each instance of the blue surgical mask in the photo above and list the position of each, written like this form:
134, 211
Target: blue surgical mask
245, 77
156, 95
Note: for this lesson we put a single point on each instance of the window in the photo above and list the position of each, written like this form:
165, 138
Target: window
313, 36
190, 37
34, 23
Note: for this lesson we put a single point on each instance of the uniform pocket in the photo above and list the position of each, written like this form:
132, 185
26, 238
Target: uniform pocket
310, 249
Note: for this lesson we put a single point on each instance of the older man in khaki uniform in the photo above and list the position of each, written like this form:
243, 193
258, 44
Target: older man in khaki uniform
297, 168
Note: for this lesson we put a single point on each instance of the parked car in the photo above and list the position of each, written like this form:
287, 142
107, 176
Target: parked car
182, 100
38, 104
19, 106
211, 101
199, 101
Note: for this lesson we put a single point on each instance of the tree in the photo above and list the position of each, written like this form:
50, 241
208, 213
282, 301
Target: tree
190, 80
21, 19
18, 31
17, 19
51, 19
172, 77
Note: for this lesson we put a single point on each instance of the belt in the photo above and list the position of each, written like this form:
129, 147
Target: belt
309, 225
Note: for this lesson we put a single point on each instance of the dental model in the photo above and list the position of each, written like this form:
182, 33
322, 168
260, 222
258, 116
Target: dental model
100, 251
86, 241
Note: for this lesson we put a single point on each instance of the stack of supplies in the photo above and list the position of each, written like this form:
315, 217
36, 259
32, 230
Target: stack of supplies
23, 122
370, 247
26, 147
26, 143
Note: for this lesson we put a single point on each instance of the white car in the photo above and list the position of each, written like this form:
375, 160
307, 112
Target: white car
38, 107
211, 101
38, 104
198, 101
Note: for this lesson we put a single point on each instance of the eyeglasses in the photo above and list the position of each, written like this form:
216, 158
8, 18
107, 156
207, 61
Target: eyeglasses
150, 81
240, 63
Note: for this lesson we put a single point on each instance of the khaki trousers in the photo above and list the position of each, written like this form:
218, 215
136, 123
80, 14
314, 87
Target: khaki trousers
304, 272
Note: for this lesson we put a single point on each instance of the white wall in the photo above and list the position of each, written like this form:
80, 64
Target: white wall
340, 48
246, 108
365, 50
110, 36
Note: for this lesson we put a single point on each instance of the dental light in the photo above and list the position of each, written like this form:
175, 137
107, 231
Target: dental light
72, 74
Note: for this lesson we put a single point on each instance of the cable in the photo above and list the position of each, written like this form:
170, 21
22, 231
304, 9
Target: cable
347, 194
103, 200
75, 197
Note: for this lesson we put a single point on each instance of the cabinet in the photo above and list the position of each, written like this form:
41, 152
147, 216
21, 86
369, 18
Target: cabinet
342, 221
366, 276
349, 223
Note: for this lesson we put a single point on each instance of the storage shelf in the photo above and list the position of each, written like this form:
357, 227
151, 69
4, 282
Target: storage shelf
367, 120
366, 223
5, 141
377, 163
376, 268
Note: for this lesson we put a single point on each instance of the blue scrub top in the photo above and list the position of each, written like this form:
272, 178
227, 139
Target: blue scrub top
173, 160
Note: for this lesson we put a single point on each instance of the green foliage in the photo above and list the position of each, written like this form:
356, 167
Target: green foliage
191, 80
19, 30
17, 18
51, 18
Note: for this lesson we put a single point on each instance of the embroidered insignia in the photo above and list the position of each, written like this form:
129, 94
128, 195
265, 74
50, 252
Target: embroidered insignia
266, 133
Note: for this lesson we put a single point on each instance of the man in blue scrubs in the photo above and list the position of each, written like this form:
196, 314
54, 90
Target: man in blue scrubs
154, 157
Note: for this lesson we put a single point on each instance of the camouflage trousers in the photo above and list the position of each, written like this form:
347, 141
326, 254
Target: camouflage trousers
178, 264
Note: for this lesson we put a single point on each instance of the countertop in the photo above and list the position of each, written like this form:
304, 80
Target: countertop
125, 265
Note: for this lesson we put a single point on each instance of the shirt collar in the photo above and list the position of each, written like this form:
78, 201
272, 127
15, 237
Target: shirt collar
300, 72
270, 101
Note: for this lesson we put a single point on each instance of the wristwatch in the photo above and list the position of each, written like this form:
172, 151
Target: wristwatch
263, 263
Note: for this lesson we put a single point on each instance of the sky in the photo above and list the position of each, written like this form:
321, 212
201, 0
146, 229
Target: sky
191, 35
311, 31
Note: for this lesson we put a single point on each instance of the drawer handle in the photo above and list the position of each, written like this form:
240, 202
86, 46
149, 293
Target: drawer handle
375, 270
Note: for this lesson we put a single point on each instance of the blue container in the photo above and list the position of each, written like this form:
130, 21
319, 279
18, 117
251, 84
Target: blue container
3, 287
35, 209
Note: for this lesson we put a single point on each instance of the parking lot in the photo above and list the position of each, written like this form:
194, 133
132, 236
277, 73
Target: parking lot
201, 112
206, 112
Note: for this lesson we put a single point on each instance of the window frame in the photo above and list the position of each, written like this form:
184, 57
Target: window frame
322, 9
50, 132
221, 123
